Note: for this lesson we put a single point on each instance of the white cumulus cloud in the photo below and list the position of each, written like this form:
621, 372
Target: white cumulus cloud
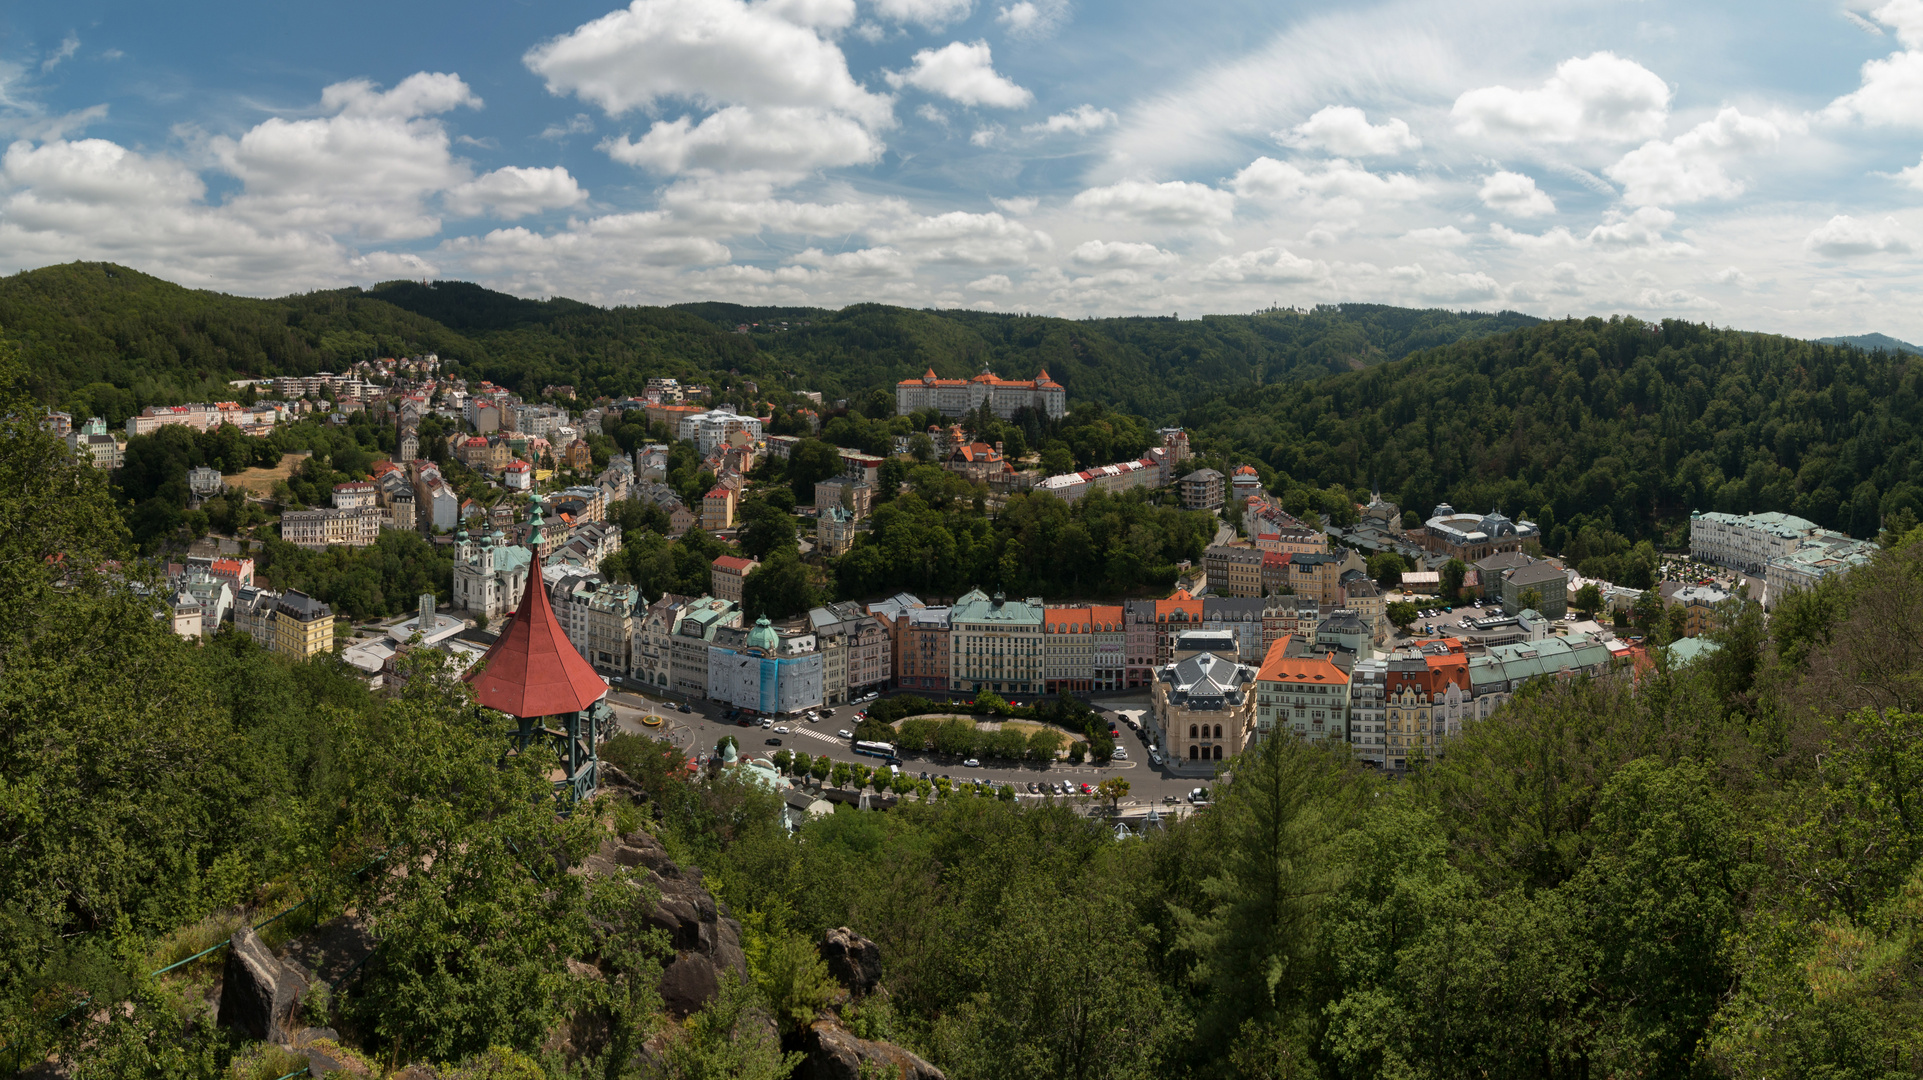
1601, 97
1345, 130
1080, 120
1445, 236
1641, 229
775, 140
1334, 188
1177, 202
963, 72
1114, 254
962, 237
1515, 194
1891, 93
95, 199
712, 52
1843, 237
514, 192
780, 93
826, 14
366, 170
933, 14
1270, 264
1689, 168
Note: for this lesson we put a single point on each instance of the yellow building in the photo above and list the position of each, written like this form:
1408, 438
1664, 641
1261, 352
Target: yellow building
1700, 604
303, 626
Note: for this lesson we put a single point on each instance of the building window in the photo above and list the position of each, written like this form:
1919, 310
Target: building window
1192, 731
1218, 734
1218, 752
1195, 752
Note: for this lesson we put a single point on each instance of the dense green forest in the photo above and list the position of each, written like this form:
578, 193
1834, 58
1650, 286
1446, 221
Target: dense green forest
1615, 428
1708, 871
89, 329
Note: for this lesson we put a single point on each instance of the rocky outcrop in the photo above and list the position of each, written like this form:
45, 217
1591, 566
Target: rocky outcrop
853, 959
707, 943
834, 1053
258, 993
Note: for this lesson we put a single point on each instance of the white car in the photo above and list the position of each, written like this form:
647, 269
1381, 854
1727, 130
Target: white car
765, 722
971, 763
845, 733
1121, 753
781, 729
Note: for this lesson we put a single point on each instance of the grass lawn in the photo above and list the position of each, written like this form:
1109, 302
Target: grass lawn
261, 481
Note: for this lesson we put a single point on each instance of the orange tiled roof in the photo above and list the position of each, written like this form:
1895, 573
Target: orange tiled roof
1067, 620
1277, 667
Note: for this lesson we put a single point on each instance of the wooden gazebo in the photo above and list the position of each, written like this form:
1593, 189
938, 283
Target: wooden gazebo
533, 673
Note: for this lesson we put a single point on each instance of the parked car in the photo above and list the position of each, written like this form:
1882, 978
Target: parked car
971, 763
845, 733
1120, 752
767, 722
1155, 758
1199, 796
684, 707
1170, 799
1034, 788
1088, 789
771, 742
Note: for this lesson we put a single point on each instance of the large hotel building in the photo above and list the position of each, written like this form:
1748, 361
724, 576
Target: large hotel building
958, 397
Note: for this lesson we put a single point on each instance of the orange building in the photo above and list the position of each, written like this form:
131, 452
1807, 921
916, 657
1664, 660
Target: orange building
1305, 694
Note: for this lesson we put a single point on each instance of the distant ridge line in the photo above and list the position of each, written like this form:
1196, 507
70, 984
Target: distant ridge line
1872, 342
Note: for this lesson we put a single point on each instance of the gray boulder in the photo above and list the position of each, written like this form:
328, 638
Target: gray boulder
853, 959
688, 983
258, 993
707, 942
834, 1053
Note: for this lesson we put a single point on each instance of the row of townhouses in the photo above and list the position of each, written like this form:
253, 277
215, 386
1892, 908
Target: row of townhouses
1394, 710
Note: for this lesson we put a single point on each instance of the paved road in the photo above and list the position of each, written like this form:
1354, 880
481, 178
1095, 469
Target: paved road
700, 730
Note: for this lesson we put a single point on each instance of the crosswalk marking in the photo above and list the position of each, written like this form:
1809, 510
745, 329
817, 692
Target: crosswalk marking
816, 735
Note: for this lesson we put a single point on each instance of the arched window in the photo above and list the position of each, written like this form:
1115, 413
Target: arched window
1218, 731
1194, 752
1191, 731
1218, 751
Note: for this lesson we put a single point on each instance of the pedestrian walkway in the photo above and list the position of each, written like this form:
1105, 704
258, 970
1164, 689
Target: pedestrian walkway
817, 735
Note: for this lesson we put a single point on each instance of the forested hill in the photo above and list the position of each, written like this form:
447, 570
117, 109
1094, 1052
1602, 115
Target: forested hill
1622, 425
1872, 342
82, 324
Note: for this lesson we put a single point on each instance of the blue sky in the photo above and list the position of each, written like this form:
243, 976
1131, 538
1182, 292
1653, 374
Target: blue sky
1752, 165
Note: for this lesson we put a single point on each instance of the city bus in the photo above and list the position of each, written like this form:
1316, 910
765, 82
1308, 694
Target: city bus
885, 751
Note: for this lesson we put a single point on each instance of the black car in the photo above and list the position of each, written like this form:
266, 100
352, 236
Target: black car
684, 708
771, 742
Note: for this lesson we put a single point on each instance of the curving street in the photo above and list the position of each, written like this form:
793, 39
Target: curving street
699, 730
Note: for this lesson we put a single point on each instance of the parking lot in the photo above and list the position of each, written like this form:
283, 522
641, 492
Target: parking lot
698, 730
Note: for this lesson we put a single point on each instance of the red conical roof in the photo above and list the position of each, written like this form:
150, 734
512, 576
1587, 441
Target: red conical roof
532, 669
